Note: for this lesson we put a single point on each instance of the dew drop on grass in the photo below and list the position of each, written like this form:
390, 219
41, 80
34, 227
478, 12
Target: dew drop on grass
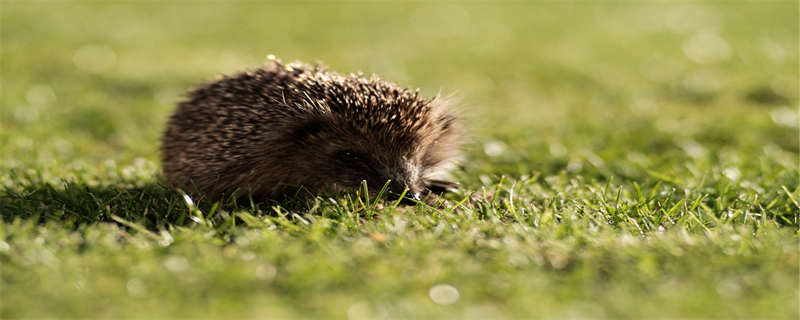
692, 148
135, 287
166, 238
557, 149
188, 200
266, 271
732, 173
494, 148
784, 116
176, 264
444, 294
706, 47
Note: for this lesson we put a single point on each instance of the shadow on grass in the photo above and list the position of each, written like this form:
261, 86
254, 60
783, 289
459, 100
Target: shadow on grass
78, 203
152, 205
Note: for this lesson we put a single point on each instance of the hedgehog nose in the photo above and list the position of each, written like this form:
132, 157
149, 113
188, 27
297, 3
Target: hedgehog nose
410, 199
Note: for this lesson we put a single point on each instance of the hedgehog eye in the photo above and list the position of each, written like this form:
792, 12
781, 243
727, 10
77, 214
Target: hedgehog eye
302, 132
350, 155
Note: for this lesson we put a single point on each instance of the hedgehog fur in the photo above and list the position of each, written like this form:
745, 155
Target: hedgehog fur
271, 131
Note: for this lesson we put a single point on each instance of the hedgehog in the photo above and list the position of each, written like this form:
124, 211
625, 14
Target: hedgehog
274, 131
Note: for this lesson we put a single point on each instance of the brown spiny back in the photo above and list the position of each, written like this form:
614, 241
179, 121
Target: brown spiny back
271, 130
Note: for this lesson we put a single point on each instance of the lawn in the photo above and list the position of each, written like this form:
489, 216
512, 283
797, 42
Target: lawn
627, 159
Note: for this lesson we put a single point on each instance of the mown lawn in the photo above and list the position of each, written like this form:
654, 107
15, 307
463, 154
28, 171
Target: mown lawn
627, 160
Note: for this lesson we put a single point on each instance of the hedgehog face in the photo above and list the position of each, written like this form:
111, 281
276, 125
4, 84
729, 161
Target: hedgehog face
344, 154
342, 157
350, 166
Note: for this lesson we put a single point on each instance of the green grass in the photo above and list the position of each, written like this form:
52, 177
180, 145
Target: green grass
627, 160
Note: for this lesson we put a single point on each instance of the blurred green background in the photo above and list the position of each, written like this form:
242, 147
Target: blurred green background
696, 98
91, 82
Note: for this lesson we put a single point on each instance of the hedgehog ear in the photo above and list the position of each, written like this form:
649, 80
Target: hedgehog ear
307, 129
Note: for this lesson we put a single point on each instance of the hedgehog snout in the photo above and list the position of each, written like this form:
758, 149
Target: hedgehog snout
406, 179
396, 189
